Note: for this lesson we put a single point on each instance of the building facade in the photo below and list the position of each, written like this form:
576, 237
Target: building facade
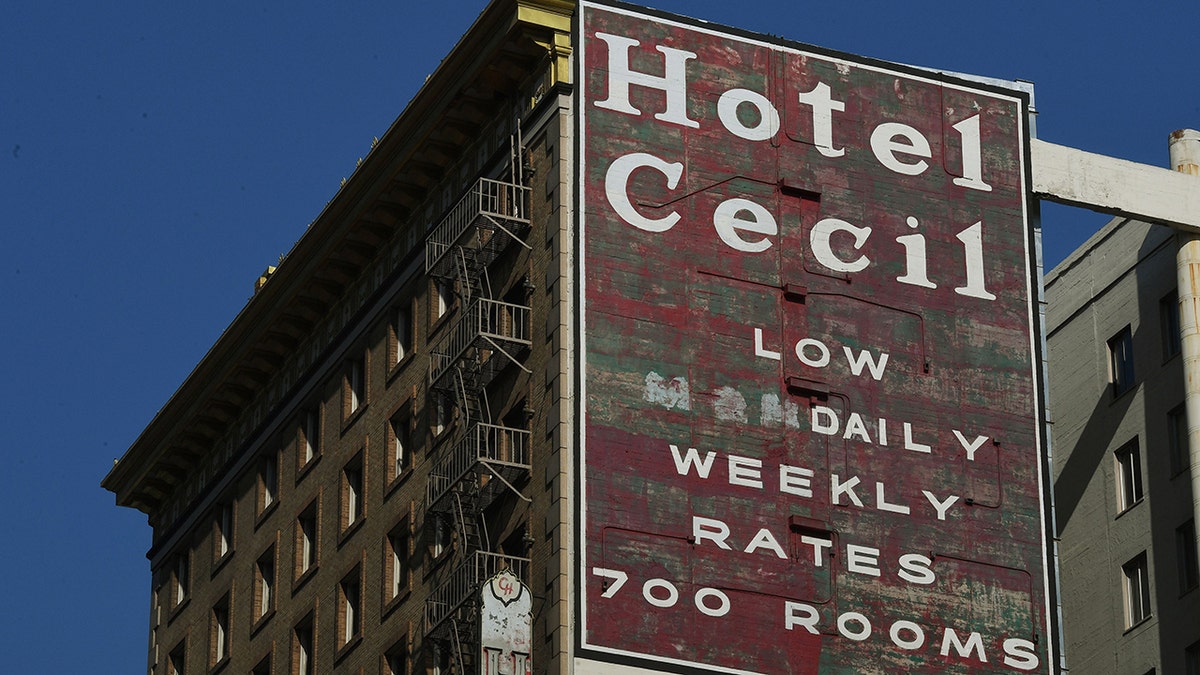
1123, 497
380, 429
517, 339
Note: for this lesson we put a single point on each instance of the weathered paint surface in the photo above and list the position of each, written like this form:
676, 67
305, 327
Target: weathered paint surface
810, 433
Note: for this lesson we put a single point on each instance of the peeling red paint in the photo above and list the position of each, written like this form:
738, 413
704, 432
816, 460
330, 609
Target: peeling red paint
726, 255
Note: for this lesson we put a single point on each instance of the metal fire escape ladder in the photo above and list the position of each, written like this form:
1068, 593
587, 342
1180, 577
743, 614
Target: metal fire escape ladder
482, 460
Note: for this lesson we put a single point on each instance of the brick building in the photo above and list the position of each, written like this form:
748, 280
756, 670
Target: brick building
380, 428
481, 356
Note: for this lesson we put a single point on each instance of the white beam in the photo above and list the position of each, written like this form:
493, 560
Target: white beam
1115, 186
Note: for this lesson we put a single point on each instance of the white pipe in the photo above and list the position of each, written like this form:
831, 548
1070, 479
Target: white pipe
1185, 158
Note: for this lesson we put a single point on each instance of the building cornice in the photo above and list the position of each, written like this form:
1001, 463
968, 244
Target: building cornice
219, 403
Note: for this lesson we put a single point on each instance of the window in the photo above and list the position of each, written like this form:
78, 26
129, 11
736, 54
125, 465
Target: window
223, 531
264, 584
177, 660
355, 385
349, 609
352, 492
1185, 554
1168, 315
268, 482
180, 579
399, 432
440, 538
306, 540
263, 667
401, 334
302, 647
396, 556
219, 632
1129, 476
1191, 659
1177, 439
1137, 590
439, 415
395, 659
309, 444
1120, 361
443, 298
441, 661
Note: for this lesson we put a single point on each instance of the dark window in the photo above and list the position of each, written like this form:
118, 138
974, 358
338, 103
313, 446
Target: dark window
1168, 314
1177, 439
1129, 476
1137, 590
1120, 361
1185, 553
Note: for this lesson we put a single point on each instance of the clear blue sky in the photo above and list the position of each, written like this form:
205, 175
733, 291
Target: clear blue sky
156, 157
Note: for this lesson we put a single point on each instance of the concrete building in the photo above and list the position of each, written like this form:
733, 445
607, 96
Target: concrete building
379, 430
1122, 489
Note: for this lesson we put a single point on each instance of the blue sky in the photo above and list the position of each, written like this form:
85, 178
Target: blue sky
156, 157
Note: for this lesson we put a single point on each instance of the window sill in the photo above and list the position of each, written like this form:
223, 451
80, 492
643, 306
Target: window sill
397, 482
265, 514
220, 563
350, 530
262, 621
345, 649
353, 417
307, 468
303, 578
399, 366
391, 605
219, 665
1141, 622
1129, 508
178, 609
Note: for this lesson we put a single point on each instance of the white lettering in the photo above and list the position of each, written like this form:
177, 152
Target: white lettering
616, 186
795, 480
823, 105
972, 239
969, 447
711, 529
759, 350
888, 140
862, 559
822, 249
799, 614
720, 610
973, 644
683, 465
745, 471
818, 546
915, 569
837, 489
940, 505
864, 626
1020, 654
865, 358
768, 117
882, 504
972, 155
728, 221
918, 633
673, 82
764, 539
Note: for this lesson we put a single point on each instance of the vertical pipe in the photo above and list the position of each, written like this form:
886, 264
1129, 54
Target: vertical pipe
1185, 158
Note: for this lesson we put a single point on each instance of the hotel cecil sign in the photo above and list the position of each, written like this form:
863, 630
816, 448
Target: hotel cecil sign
810, 413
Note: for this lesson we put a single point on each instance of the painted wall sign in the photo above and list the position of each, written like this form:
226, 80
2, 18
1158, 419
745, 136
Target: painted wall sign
811, 424
506, 627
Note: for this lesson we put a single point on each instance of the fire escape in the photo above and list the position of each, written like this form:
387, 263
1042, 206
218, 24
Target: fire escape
484, 460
